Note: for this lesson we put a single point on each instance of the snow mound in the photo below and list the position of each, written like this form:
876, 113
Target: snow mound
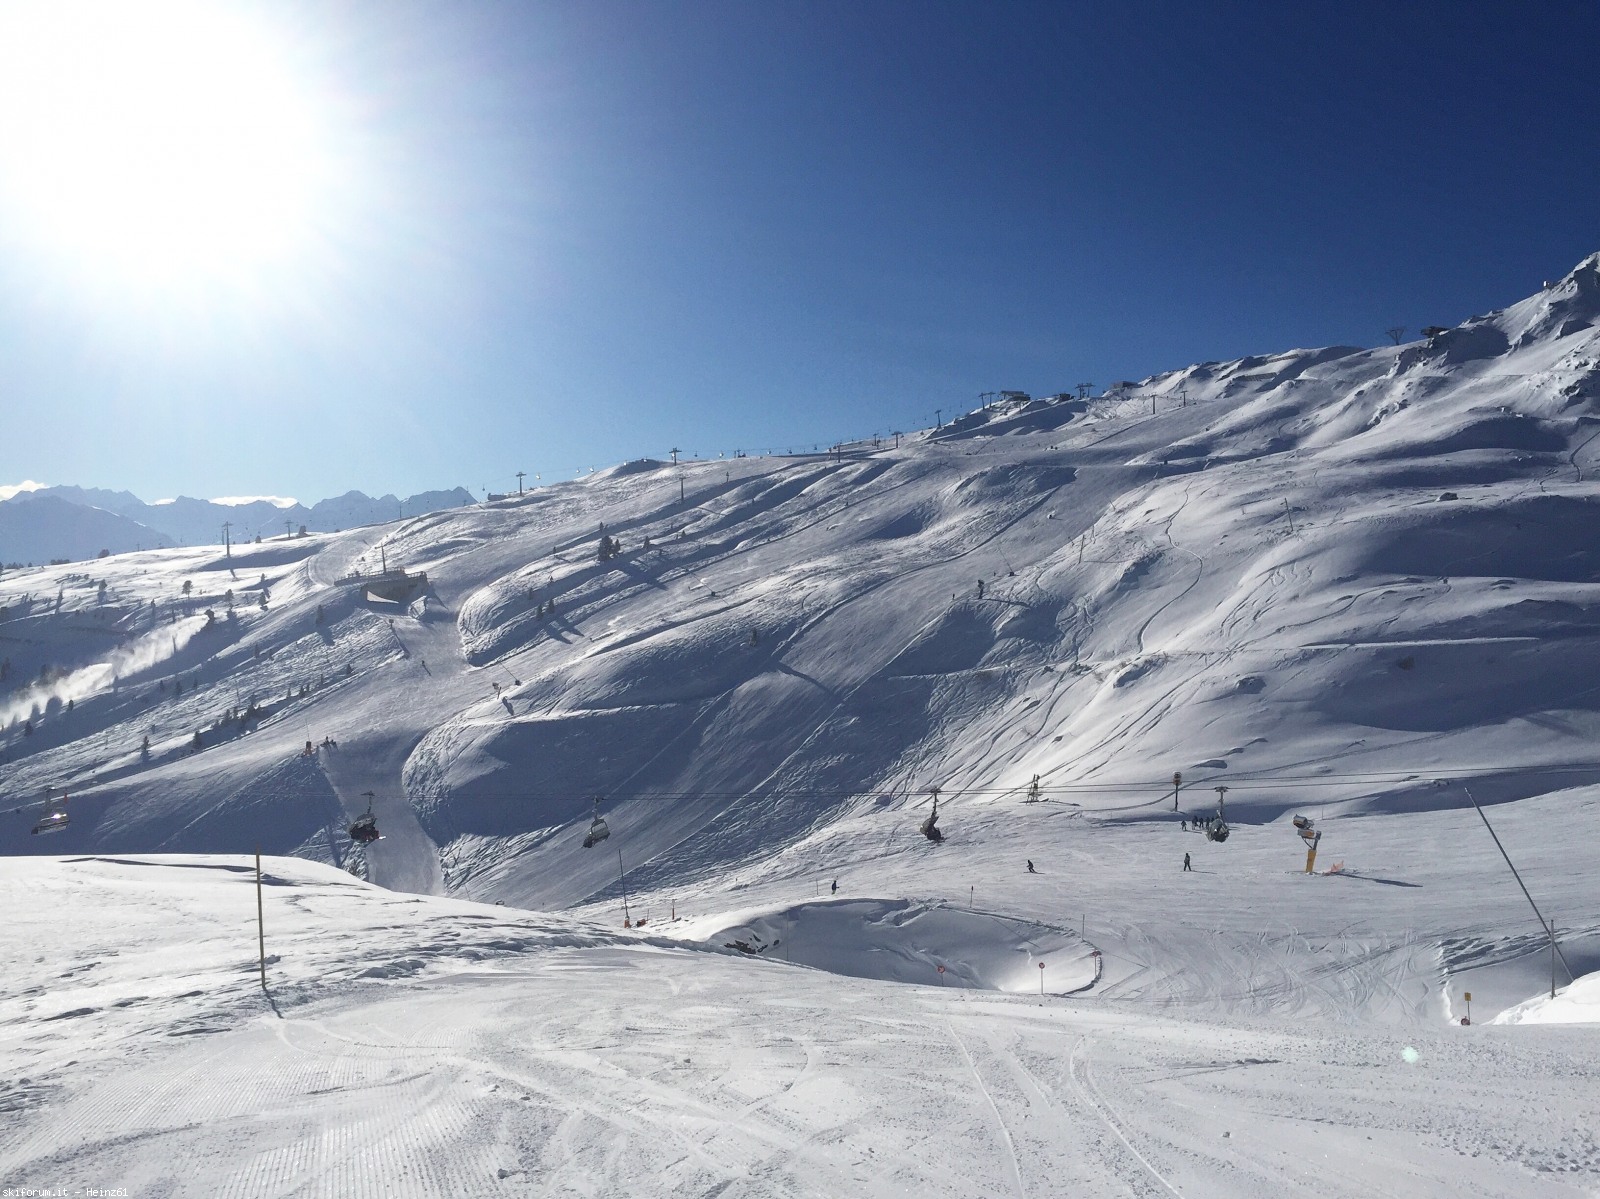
1575, 1004
912, 941
637, 466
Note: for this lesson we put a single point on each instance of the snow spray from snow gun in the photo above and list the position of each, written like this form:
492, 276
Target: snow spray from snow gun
147, 651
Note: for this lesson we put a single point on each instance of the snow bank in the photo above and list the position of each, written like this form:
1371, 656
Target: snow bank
1575, 1004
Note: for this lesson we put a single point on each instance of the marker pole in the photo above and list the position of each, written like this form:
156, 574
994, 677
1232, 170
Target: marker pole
623, 880
261, 923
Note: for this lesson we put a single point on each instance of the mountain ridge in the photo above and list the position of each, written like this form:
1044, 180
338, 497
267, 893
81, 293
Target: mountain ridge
69, 522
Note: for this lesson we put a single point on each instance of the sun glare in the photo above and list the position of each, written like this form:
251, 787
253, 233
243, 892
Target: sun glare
166, 141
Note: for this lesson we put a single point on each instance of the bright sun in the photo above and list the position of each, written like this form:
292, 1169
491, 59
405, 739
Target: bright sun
168, 141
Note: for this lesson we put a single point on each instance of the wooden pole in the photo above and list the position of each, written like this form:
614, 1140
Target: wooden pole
261, 923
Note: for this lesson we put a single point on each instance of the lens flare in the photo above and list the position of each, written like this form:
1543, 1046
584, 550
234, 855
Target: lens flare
162, 142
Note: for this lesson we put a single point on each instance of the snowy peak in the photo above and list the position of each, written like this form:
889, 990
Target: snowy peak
1581, 286
1519, 379
124, 503
1569, 306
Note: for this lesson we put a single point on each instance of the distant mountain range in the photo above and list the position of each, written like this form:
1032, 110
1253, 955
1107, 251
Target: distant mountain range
77, 523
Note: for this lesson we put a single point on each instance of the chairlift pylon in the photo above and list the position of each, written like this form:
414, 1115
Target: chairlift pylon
54, 816
598, 829
364, 830
930, 826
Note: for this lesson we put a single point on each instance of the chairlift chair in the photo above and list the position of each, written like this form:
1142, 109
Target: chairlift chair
364, 830
1217, 832
598, 830
54, 818
930, 826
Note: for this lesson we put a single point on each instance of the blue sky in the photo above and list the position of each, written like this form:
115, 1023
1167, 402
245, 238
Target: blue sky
549, 237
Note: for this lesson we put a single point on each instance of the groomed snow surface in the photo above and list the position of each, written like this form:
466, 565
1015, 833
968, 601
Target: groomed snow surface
419, 1045
1355, 586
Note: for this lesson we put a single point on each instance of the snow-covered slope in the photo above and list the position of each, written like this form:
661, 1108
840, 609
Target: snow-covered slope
1353, 565
1354, 585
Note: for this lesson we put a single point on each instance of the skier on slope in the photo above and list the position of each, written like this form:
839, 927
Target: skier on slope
1031, 870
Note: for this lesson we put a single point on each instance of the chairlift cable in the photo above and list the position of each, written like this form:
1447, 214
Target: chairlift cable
1157, 791
1161, 790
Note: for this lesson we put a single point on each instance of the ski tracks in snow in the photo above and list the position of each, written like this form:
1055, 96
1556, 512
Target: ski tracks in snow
1200, 572
1083, 1084
1005, 1132
1054, 1143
